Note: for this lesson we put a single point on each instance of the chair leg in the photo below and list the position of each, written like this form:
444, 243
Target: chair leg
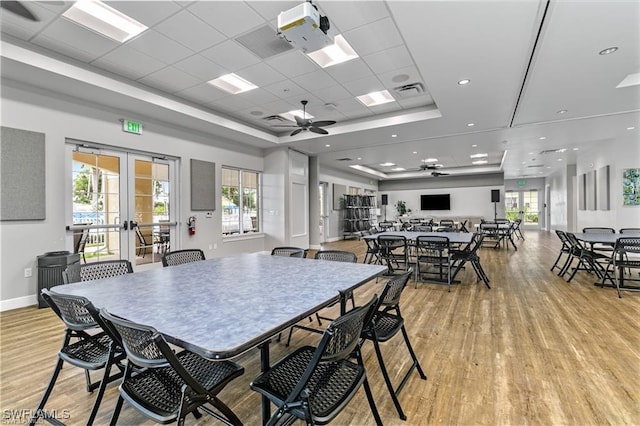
557, 260
367, 390
116, 411
413, 355
47, 393
387, 380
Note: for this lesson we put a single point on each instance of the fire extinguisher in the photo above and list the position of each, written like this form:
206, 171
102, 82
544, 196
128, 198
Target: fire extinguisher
191, 223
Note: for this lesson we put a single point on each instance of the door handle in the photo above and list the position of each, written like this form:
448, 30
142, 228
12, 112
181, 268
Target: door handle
125, 225
132, 224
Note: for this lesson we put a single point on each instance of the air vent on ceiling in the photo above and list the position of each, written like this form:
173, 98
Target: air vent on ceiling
409, 90
274, 118
264, 42
533, 166
552, 151
344, 159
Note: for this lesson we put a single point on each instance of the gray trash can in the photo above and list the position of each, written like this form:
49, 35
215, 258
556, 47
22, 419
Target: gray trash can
50, 267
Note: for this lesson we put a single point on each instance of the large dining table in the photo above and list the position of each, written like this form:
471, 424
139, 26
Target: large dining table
454, 237
223, 307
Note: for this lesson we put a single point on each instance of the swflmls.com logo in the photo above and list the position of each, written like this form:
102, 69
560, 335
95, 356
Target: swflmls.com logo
22, 416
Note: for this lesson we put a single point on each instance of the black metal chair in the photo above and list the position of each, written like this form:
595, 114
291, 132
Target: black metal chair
422, 228
447, 223
394, 251
82, 243
516, 229
289, 252
315, 383
89, 351
600, 230
143, 245
463, 226
588, 260
620, 259
77, 272
166, 386
179, 257
566, 248
387, 322
385, 226
459, 257
630, 230
372, 254
435, 252
491, 233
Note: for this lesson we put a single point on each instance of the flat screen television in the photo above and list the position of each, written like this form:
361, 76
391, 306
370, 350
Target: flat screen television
435, 202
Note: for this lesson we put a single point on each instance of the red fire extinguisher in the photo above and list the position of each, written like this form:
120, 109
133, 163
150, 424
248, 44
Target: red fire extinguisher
191, 223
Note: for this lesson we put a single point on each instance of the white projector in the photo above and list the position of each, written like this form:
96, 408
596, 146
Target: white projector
304, 28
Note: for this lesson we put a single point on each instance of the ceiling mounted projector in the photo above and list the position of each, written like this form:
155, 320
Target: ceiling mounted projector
304, 28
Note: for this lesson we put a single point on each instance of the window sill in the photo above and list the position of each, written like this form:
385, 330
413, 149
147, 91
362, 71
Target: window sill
241, 237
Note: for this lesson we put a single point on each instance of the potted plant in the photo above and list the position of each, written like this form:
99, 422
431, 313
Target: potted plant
401, 208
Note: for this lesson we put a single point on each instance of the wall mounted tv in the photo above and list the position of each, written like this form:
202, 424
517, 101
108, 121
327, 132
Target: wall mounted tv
435, 202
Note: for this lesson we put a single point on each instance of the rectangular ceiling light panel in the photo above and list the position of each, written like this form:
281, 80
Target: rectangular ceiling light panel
340, 51
376, 98
105, 20
233, 84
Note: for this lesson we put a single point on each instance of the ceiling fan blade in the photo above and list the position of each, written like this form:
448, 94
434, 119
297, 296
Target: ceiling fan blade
323, 123
300, 121
318, 130
18, 8
295, 132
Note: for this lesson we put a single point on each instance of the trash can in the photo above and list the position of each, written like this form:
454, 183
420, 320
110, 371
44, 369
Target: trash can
50, 267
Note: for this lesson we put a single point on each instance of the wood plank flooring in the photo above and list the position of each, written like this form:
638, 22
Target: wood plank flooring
532, 350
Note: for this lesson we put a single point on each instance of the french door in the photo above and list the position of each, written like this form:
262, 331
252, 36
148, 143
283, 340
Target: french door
324, 211
524, 205
124, 202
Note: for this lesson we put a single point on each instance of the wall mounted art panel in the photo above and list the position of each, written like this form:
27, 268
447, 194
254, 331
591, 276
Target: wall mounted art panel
203, 185
582, 203
590, 190
602, 193
631, 187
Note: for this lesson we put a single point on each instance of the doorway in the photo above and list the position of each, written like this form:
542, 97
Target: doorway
524, 205
124, 202
323, 191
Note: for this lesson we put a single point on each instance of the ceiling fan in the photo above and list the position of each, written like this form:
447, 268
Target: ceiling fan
304, 123
19, 9
434, 169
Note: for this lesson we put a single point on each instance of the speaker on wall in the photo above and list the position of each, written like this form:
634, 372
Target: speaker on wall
385, 199
495, 195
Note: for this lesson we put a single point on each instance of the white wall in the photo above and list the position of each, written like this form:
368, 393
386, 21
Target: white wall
558, 209
35, 110
618, 155
331, 176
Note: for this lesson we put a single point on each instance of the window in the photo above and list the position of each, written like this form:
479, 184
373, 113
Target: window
240, 201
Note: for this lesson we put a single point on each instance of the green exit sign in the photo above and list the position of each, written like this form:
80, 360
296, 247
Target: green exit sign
132, 127
522, 182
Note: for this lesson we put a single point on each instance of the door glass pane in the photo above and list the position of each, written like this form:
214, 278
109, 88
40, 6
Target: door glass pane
250, 208
230, 201
530, 204
511, 206
96, 201
151, 207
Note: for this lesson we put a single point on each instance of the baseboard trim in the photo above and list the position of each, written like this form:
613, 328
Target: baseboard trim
18, 302
334, 239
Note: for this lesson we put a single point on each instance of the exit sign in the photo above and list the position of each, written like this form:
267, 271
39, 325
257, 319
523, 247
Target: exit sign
522, 182
132, 127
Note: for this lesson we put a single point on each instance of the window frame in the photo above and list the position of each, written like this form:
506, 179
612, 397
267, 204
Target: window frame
241, 233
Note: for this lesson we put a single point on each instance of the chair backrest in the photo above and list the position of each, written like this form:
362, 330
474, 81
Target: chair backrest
446, 229
501, 220
446, 222
385, 225
141, 239
179, 257
415, 221
574, 242
72, 310
432, 243
563, 237
422, 228
82, 241
288, 252
393, 290
626, 245
629, 230
77, 272
337, 256
391, 241
598, 230
489, 227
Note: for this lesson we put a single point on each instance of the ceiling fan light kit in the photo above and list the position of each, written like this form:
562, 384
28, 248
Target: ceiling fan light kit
303, 123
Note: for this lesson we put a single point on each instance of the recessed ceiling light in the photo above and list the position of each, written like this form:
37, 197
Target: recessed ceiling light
376, 98
478, 155
387, 164
233, 84
524, 162
559, 159
548, 167
359, 158
562, 111
608, 50
415, 152
542, 138
104, 20
630, 128
291, 115
430, 160
531, 153
479, 162
256, 113
394, 136
398, 169
327, 145
340, 51
463, 82
474, 145
470, 124
575, 149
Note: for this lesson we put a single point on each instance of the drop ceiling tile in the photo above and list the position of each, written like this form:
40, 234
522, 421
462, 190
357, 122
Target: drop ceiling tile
292, 64
201, 67
389, 59
348, 15
278, 107
354, 115
385, 108
374, 37
77, 42
414, 102
147, 12
285, 89
230, 104
364, 85
314, 106
53, 6
270, 10
202, 93
261, 74
229, 17
401, 76
128, 62
315, 80
169, 80
231, 56
258, 96
24, 29
199, 35
351, 106
349, 71
160, 47
333, 94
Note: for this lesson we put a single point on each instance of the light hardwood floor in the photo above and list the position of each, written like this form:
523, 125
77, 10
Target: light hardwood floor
532, 350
